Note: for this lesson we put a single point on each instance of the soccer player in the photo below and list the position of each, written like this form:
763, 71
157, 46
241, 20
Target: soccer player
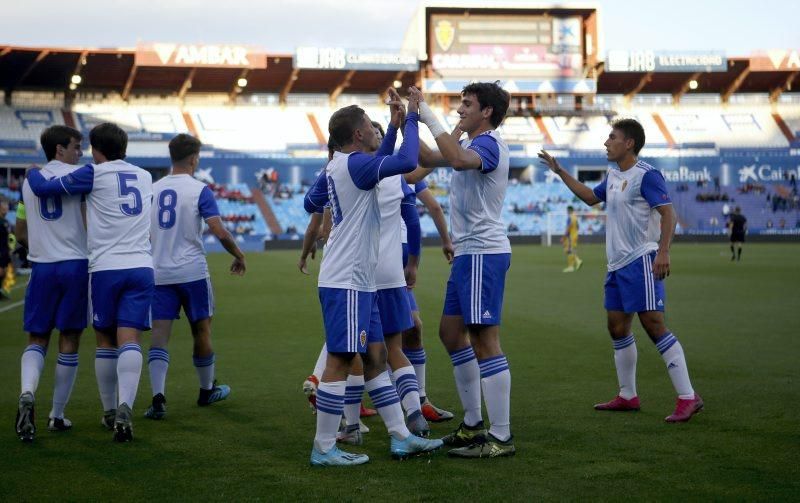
347, 280
57, 293
737, 228
641, 223
470, 324
412, 338
570, 241
118, 200
181, 205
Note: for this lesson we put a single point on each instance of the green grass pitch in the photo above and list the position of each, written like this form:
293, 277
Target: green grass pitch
738, 323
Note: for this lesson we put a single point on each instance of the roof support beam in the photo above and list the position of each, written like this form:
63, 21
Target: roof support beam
235, 89
344, 84
287, 88
646, 78
735, 85
126, 89
187, 84
787, 85
5, 51
676, 96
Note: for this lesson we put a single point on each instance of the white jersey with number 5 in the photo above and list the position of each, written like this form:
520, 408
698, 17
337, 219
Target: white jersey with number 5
180, 205
55, 224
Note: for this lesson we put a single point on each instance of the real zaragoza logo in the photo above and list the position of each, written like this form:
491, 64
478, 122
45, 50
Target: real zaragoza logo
445, 34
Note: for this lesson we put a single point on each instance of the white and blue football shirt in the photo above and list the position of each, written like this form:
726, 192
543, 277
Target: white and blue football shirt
118, 200
633, 226
56, 231
476, 199
180, 206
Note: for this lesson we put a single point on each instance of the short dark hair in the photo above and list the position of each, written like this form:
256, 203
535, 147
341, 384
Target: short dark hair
54, 136
110, 139
182, 146
343, 124
332, 146
632, 130
490, 94
377, 125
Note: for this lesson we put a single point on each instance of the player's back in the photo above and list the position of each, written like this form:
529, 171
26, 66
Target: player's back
118, 217
180, 203
476, 204
56, 231
351, 252
389, 271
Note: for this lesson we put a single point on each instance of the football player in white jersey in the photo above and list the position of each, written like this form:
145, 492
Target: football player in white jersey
347, 280
57, 293
639, 229
118, 200
474, 298
180, 206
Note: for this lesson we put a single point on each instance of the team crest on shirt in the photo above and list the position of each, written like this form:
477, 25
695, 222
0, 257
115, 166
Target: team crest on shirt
362, 337
445, 34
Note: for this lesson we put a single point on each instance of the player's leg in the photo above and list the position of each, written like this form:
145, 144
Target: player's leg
72, 281
415, 352
312, 381
133, 317
688, 402
384, 394
66, 371
103, 291
485, 317
166, 308
625, 351
39, 319
197, 299
343, 329
454, 337
574, 246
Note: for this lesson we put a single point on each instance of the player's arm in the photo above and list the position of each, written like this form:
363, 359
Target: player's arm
654, 191
388, 142
587, 195
449, 148
21, 225
408, 211
210, 213
327, 225
310, 241
79, 181
367, 170
437, 214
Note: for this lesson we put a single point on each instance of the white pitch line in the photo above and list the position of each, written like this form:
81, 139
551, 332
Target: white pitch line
11, 306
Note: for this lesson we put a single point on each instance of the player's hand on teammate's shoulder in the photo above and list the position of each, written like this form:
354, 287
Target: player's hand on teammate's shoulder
548, 160
31, 168
238, 267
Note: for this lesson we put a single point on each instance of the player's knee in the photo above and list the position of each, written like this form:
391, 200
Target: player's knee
69, 341
42, 339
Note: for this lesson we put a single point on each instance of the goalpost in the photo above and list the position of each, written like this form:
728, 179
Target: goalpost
589, 223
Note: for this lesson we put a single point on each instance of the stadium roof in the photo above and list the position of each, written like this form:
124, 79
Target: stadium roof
116, 70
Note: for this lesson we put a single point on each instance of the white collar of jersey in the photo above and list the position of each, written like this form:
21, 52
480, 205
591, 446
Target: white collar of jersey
58, 164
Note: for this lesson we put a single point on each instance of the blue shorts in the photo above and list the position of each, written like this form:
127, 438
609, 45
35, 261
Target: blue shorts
351, 319
122, 298
475, 288
394, 310
412, 300
633, 289
57, 296
196, 298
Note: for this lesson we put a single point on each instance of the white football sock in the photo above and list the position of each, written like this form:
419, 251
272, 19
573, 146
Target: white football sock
105, 369
625, 357
129, 370
418, 359
496, 383
322, 360
405, 380
352, 399
330, 402
204, 365
672, 353
468, 384
384, 398
31, 365
158, 364
66, 370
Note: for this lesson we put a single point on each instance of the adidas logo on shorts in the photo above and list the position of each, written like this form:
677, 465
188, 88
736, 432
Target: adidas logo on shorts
487, 314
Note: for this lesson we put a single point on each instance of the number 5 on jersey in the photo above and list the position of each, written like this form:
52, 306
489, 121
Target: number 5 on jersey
126, 189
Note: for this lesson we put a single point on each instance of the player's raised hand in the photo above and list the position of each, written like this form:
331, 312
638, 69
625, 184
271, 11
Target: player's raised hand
397, 107
548, 160
415, 96
661, 265
238, 267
